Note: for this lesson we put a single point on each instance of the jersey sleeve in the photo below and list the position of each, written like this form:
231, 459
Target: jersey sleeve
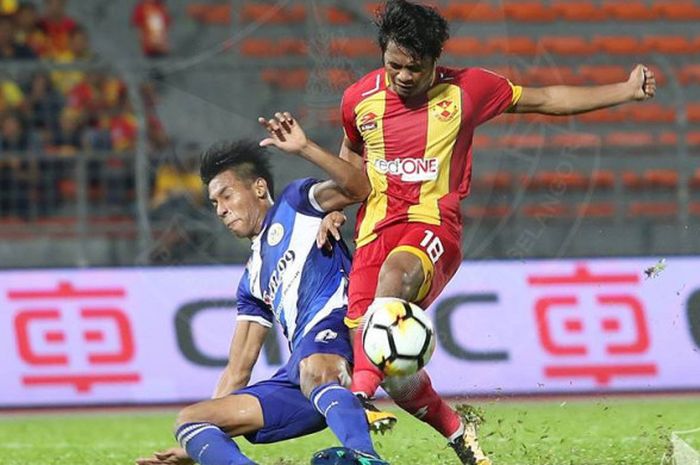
491, 93
347, 109
249, 307
300, 195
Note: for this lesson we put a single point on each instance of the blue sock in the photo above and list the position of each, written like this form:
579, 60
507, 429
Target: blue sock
344, 416
206, 444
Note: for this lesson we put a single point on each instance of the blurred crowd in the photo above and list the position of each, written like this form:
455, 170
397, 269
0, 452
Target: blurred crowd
49, 117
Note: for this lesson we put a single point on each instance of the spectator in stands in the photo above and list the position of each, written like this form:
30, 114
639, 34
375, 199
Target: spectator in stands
11, 95
68, 138
9, 49
15, 170
27, 31
78, 50
43, 102
178, 183
13, 135
152, 20
57, 27
123, 128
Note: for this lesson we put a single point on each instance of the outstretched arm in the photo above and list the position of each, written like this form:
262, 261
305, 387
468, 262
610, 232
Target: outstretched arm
348, 182
570, 100
247, 341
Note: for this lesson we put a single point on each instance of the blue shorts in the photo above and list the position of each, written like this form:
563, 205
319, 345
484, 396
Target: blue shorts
287, 413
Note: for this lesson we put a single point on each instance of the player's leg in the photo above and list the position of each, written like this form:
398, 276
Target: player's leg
205, 429
324, 380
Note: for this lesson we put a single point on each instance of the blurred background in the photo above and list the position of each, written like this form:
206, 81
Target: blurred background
105, 107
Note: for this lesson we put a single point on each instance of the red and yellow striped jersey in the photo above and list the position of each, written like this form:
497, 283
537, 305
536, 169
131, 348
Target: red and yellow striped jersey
417, 151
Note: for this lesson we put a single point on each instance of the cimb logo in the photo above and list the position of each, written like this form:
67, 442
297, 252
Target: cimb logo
410, 169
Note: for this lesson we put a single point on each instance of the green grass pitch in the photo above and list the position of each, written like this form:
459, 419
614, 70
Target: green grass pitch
575, 432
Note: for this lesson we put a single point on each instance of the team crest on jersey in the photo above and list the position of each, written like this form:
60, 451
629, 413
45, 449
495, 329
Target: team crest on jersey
445, 110
368, 122
275, 234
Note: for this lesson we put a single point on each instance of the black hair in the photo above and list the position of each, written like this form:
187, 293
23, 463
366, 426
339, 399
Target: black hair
418, 29
245, 157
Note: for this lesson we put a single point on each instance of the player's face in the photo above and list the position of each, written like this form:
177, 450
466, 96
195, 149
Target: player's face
408, 76
241, 205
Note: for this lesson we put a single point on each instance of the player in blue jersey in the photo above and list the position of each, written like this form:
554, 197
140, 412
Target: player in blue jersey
304, 288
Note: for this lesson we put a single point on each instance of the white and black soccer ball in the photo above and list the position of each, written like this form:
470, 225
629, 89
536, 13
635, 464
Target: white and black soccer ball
398, 337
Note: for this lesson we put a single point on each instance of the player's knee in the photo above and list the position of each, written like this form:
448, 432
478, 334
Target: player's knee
401, 277
189, 414
316, 373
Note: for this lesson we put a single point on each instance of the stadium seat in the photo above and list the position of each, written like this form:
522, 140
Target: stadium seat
605, 115
693, 139
214, 14
694, 181
579, 11
512, 45
604, 74
287, 79
254, 47
694, 208
482, 141
487, 212
656, 210
689, 74
651, 113
595, 210
529, 11
466, 46
629, 10
567, 45
575, 140
668, 44
521, 141
337, 16
602, 179
677, 10
340, 78
272, 13
550, 75
493, 181
476, 12
551, 209
618, 45
354, 47
692, 111
629, 139
549, 179
667, 139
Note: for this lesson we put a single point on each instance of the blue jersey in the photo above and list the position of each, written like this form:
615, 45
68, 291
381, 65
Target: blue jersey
287, 275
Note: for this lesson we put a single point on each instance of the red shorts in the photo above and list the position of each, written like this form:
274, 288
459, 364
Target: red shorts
438, 248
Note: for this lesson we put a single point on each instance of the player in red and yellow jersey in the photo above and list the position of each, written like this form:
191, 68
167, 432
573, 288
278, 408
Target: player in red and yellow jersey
409, 127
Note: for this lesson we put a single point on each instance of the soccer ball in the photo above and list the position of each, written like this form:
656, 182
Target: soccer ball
398, 337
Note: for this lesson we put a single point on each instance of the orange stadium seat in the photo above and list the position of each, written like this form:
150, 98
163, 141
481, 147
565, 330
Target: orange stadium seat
604, 74
660, 75
473, 12
288, 79
516, 45
694, 181
354, 47
218, 14
603, 179
272, 14
482, 141
528, 11
661, 179
692, 112
567, 45
549, 75
337, 16
493, 181
466, 46
271, 48
630, 139
595, 210
651, 113
618, 45
629, 10
579, 11
694, 208
671, 44
545, 210
653, 209
487, 212
693, 139
689, 74
340, 78
606, 115
521, 141
677, 10
575, 140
